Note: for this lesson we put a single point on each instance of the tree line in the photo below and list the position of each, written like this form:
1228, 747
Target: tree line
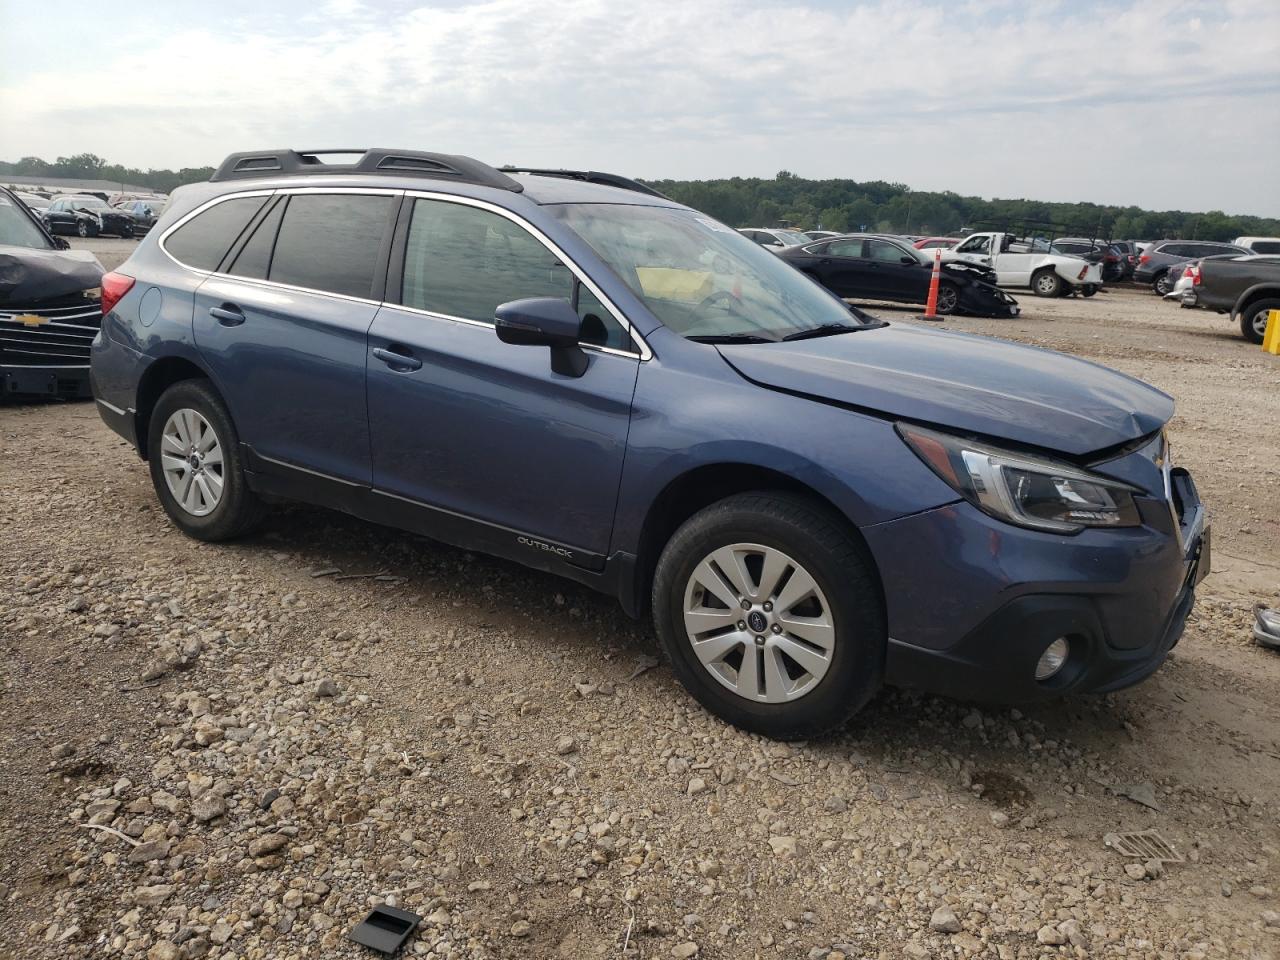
876, 206
790, 200
89, 166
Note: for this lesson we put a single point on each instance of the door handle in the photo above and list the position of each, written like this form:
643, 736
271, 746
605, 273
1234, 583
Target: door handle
400, 362
229, 315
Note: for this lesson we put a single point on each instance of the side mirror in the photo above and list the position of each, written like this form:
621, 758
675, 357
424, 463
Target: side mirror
906, 259
544, 322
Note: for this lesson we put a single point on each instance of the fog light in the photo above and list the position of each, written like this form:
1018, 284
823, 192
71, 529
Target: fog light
1051, 661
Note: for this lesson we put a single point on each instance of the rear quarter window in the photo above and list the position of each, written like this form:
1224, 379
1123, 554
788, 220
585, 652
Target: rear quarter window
1266, 246
204, 240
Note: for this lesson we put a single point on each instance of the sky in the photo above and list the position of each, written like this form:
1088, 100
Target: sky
1163, 105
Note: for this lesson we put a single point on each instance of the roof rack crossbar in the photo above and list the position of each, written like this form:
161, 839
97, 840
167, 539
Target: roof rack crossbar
286, 163
590, 176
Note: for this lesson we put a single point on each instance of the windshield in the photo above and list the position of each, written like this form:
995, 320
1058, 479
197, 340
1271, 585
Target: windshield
89, 203
16, 228
701, 278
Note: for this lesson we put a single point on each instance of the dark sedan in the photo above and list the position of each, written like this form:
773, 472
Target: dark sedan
865, 267
87, 217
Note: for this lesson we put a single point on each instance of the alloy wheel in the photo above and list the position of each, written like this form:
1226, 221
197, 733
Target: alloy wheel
191, 456
759, 623
948, 297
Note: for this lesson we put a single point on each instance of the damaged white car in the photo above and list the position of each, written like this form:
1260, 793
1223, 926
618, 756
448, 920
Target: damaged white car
1028, 262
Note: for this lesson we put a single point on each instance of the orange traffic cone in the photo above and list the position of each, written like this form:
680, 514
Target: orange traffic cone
931, 305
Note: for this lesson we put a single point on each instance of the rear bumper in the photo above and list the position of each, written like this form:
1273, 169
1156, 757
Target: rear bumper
67, 382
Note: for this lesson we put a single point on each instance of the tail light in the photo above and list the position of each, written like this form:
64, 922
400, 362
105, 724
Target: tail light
1193, 272
1083, 271
114, 286
1144, 259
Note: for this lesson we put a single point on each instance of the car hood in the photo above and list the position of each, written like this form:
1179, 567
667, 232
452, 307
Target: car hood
965, 383
28, 275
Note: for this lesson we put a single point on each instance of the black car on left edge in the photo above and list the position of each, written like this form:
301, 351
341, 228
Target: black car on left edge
862, 266
50, 307
87, 217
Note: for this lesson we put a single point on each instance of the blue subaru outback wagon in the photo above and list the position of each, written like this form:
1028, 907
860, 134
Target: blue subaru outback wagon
568, 369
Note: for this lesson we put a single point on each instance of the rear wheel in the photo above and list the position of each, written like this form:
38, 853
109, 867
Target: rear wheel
196, 467
1046, 283
1253, 320
1161, 284
770, 614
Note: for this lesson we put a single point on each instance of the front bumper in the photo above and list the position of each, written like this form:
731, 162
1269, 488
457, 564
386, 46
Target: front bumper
973, 602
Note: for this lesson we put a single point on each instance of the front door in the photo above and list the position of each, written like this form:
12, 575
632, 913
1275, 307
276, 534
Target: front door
897, 279
474, 432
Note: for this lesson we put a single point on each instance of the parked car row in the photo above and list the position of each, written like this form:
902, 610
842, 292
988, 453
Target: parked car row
89, 215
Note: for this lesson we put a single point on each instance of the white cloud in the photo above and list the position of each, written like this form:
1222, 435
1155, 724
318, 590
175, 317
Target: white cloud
1172, 106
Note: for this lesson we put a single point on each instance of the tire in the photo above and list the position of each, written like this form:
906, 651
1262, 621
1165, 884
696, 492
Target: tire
1046, 283
236, 510
1161, 284
1089, 289
948, 299
1253, 319
82, 228
846, 595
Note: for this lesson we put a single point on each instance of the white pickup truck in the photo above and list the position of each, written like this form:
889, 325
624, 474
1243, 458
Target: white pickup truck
1020, 262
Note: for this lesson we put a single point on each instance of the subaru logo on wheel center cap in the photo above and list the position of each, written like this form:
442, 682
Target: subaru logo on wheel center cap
757, 622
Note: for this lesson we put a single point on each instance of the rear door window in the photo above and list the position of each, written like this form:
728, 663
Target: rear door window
845, 248
204, 240
331, 242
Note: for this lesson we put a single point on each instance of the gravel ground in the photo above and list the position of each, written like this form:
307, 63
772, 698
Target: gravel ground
283, 732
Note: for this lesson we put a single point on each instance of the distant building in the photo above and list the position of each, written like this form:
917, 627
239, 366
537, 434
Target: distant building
66, 185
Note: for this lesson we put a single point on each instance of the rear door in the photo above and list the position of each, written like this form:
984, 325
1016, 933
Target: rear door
845, 270
479, 439
283, 327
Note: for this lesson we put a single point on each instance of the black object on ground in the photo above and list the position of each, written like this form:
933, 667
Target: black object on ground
385, 929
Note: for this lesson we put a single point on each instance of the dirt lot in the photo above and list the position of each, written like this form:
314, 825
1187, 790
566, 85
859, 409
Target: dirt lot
275, 749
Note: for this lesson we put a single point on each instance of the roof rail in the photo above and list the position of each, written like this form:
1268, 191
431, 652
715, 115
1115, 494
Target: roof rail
437, 166
590, 176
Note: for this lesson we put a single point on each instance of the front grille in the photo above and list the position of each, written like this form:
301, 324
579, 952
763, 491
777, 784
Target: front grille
60, 337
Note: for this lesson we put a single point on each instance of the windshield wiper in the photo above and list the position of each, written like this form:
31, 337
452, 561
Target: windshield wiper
825, 330
729, 338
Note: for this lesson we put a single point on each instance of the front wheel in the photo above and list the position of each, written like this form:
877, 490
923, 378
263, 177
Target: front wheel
1253, 319
196, 466
948, 299
1046, 283
770, 614
82, 228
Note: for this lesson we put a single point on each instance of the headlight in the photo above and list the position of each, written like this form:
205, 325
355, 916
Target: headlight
1023, 489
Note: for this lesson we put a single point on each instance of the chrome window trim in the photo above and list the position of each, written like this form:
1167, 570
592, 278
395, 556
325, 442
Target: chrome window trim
450, 318
643, 353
